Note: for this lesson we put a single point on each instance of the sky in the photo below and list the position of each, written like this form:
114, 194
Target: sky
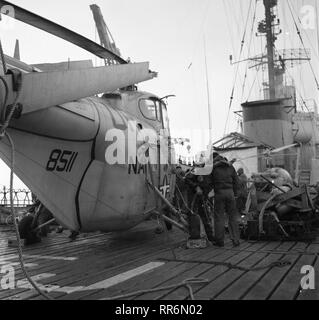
174, 36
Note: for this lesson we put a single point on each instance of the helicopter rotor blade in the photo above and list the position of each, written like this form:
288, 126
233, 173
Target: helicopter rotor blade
41, 90
61, 32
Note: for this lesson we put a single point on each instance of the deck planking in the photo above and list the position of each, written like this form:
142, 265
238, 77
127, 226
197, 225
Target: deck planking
99, 257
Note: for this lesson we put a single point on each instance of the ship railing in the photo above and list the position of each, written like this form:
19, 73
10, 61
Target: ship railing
22, 198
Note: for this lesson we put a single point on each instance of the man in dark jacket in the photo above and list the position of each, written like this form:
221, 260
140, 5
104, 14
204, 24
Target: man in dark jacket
225, 183
198, 189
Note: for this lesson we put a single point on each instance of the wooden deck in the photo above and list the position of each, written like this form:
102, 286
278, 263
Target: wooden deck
101, 266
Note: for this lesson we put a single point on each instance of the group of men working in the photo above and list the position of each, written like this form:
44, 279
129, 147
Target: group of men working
230, 193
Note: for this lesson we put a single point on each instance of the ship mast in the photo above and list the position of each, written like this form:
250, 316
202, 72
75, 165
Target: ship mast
270, 36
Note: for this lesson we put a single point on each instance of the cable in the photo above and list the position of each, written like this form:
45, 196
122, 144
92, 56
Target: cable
237, 69
228, 26
186, 283
309, 40
304, 104
3, 133
34, 285
6, 123
249, 48
182, 76
5, 98
303, 44
251, 88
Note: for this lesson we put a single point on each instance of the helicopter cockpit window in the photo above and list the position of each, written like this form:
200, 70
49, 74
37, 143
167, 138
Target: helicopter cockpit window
150, 109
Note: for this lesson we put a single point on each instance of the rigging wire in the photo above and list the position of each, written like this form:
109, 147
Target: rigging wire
303, 105
196, 44
317, 24
253, 84
255, 54
228, 19
259, 88
249, 48
240, 30
3, 133
303, 44
300, 22
231, 9
228, 26
20, 253
237, 69
5, 120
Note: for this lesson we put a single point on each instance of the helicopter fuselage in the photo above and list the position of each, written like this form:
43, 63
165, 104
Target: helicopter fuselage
65, 155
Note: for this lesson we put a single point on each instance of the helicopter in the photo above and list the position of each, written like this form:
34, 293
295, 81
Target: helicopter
84, 136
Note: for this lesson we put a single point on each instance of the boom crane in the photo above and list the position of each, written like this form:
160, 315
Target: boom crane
105, 35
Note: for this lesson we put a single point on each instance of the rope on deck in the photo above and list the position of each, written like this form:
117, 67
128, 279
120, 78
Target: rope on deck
186, 284
189, 282
278, 264
5, 120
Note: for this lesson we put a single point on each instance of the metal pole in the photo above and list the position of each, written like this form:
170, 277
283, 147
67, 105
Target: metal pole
271, 183
170, 206
44, 224
173, 222
208, 98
